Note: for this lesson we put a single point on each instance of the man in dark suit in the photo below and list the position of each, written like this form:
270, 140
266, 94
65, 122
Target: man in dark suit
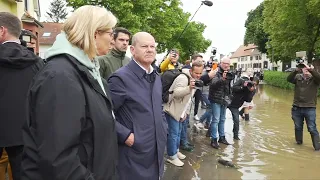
18, 66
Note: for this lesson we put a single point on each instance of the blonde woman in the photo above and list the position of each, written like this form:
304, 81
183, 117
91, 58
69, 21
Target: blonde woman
70, 131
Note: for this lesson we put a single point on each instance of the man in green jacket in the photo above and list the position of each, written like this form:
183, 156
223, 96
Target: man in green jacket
304, 104
116, 58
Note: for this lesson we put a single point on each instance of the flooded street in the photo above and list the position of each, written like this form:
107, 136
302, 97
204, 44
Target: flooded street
267, 148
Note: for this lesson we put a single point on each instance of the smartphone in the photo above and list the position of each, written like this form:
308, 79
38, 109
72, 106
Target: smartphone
174, 53
214, 66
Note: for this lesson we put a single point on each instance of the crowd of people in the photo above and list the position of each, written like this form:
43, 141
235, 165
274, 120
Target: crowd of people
90, 112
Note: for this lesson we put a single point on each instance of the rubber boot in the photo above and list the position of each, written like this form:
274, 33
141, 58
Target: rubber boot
299, 136
214, 143
223, 140
246, 117
316, 142
236, 137
241, 112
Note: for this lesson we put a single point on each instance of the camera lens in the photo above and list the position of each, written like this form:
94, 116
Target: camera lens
198, 83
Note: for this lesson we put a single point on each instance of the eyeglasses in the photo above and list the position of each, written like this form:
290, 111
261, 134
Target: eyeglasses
110, 33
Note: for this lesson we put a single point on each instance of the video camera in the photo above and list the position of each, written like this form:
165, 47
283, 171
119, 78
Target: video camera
300, 59
26, 37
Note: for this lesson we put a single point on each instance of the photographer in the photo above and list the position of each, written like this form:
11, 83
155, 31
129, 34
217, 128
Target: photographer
242, 90
307, 81
171, 62
220, 98
177, 110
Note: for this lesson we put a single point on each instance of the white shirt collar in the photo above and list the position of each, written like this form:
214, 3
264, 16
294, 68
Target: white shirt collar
151, 68
14, 41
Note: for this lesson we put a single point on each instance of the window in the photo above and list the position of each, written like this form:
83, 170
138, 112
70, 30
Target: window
46, 34
251, 58
259, 57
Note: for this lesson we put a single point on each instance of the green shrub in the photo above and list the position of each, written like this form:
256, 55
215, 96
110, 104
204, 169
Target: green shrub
279, 79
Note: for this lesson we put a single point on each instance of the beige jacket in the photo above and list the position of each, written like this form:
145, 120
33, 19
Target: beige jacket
178, 100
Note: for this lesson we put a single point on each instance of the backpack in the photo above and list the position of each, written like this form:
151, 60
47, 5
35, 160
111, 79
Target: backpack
167, 79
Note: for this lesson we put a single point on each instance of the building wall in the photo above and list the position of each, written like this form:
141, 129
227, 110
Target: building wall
254, 62
10, 6
43, 49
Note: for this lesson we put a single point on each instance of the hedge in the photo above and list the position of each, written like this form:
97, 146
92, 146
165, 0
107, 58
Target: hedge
279, 79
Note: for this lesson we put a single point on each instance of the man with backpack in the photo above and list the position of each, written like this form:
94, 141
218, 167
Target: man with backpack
177, 103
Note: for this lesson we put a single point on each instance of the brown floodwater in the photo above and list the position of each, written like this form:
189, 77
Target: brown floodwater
267, 148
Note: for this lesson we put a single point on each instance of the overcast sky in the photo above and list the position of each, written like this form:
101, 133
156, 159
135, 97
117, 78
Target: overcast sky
225, 20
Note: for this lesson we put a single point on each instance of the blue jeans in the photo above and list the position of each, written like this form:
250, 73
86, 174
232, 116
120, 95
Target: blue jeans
218, 119
307, 113
184, 132
174, 131
205, 98
207, 116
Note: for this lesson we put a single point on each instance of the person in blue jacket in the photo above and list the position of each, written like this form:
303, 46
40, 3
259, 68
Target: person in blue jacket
136, 91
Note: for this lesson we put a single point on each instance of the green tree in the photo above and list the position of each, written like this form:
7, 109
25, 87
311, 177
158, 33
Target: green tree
255, 33
57, 11
293, 25
164, 19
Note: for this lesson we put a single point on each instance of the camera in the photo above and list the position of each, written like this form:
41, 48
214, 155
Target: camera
229, 76
300, 63
198, 83
301, 58
250, 84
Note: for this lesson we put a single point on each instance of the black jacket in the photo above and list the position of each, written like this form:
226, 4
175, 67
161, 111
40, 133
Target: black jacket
240, 94
18, 66
219, 89
70, 130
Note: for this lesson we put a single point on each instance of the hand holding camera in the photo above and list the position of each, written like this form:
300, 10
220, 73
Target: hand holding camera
173, 54
224, 75
192, 84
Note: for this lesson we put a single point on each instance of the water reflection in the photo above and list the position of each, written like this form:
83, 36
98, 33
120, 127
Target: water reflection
267, 149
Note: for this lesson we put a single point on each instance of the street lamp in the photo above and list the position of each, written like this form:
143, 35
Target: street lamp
207, 3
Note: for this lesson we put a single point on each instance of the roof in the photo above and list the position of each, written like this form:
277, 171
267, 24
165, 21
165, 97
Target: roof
244, 51
26, 17
49, 32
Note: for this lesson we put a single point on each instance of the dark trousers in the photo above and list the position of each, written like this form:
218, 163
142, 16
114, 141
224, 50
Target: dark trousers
235, 117
15, 158
197, 98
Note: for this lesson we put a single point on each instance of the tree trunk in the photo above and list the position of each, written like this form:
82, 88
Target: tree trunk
312, 47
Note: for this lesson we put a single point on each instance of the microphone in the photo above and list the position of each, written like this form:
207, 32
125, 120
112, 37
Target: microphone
208, 3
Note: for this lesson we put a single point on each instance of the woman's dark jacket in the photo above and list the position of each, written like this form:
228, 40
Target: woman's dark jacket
70, 130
